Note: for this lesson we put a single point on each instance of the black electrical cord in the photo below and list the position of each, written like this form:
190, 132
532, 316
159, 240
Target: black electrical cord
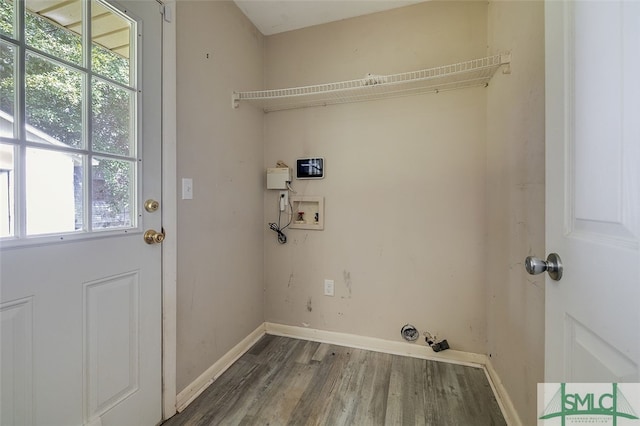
282, 238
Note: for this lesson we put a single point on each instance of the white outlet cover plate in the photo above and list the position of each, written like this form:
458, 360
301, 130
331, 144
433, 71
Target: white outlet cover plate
329, 288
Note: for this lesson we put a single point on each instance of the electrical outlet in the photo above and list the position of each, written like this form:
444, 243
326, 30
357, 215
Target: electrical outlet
328, 288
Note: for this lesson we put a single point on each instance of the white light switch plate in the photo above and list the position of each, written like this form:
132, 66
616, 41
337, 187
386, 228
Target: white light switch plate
187, 188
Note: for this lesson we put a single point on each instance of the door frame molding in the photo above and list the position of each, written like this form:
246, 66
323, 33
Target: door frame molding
169, 210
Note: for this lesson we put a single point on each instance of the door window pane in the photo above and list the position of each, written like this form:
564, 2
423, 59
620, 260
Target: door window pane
7, 90
112, 115
7, 179
54, 197
113, 193
55, 27
68, 161
53, 97
111, 43
6, 17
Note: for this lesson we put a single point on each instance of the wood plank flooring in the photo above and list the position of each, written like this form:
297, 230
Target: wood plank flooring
283, 381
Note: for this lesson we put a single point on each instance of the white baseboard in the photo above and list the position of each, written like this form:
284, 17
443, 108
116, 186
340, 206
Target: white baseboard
506, 405
415, 350
191, 392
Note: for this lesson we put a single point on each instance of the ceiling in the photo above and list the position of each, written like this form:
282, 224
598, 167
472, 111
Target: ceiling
277, 16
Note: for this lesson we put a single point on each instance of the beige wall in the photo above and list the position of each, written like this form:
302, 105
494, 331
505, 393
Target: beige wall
515, 202
404, 190
432, 202
220, 272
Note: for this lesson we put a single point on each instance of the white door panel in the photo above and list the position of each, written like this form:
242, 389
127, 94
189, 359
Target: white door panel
16, 344
593, 191
81, 319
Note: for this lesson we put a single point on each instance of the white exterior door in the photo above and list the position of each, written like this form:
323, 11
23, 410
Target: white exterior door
593, 190
81, 308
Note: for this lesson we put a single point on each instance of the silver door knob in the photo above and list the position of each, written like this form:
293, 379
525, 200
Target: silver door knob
553, 265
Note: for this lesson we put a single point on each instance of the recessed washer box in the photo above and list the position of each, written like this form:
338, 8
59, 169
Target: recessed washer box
310, 168
308, 212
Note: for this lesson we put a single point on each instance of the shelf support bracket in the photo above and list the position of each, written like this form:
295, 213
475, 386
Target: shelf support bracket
505, 59
235, 100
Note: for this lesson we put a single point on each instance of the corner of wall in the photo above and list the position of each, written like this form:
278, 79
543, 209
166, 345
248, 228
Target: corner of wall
515, 202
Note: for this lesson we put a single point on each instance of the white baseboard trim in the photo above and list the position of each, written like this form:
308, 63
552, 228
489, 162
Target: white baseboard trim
506, 405
199, 385
415, 350
191, 392
406, 349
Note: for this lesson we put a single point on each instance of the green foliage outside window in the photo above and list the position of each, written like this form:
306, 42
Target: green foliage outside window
54, 100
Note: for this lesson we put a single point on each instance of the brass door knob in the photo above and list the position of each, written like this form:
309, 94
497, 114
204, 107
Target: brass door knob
151, 205
153, 237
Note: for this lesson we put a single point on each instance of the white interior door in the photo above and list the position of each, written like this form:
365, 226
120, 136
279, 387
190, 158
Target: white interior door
81, 307
593, 190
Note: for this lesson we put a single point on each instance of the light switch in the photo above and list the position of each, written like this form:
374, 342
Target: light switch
187, 188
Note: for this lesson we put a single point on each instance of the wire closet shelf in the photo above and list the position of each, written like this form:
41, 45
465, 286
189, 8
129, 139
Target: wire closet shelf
476, 72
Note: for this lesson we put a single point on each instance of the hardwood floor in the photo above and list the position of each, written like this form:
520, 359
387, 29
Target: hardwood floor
283, 381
